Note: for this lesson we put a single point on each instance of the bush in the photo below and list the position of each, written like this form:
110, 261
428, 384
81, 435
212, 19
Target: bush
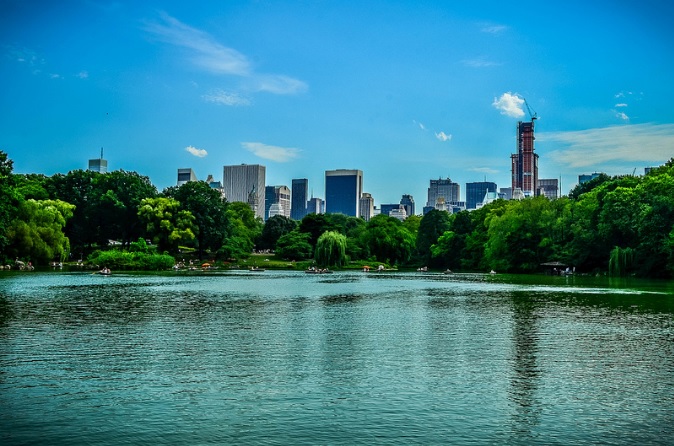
125, 260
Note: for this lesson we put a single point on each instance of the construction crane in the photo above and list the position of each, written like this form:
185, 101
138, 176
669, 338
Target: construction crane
532, 115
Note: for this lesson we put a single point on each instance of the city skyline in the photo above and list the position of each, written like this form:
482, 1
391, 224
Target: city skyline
404, 91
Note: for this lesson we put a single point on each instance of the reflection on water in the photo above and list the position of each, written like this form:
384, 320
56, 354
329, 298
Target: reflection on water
525, 371
289, 358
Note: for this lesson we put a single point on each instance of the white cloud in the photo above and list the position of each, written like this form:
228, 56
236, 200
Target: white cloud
488, 170
623, 116
622, 104
510, 105
421, 126
25, 55
479, 62
273, 153
207, 53
494, 29
278, 84
200, 153
616, 145
83, 74
226, 98
55, 76
442, 136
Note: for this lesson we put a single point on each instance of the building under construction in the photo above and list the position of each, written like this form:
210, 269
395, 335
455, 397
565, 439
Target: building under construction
525, 161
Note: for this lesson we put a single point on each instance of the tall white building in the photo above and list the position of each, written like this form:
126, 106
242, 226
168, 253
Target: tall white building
245, 183
277, 201
366, 206
186, 175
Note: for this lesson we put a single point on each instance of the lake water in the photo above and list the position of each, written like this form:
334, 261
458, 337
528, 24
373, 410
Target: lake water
284, 358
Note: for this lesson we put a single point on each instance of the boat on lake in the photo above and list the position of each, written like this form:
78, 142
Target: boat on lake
313, 270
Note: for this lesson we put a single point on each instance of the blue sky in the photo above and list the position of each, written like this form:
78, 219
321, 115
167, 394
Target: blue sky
405, 91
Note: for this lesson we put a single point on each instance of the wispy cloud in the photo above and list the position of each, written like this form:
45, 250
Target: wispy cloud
273, 153
493, 29
24, 55
626, 144
442, 136
421, 126
480, 62
622, 104
622, 116
205, 52
488, 170
277, 84
200, 153
83, 74
226, 98
510, 105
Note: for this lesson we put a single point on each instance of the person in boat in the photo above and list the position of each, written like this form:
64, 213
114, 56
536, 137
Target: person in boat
105, 270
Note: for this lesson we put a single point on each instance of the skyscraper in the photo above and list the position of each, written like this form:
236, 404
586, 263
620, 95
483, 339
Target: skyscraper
549, 187
525, 161
99, 165
278, 199
476, 191
245, 183
300, 195
408, 202
185, 175
443, 188
366, 206
315, 206
343, 189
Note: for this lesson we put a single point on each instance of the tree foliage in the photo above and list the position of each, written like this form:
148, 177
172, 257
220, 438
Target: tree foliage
294, 246
388, 240
9, 198
331, 249
165, 223
37, 234
208, 209
273, 229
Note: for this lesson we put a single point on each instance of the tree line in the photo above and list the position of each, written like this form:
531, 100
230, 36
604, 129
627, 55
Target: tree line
623, 225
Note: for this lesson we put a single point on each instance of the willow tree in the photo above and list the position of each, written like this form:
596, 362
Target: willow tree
331, 249
37, 232
621, 261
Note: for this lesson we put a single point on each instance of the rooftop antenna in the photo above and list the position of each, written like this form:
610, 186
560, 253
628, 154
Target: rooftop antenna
101, 152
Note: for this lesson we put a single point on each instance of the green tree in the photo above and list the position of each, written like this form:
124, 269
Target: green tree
449, 250
294, 246
166, 223
273, 229
580, 189
389, 240
654, 223
209, 211
331, 249
32, 186
315, 225
117, 197
243, 228
519, 239
37, 232
431, 227
9, 200
78, 188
